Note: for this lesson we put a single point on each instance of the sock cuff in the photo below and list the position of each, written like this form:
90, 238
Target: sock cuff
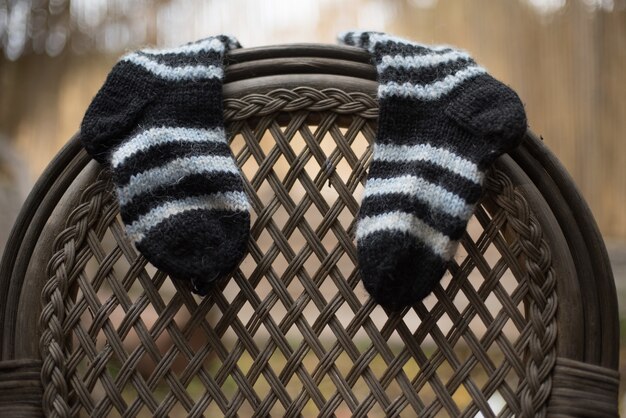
185, 79
202, 59
412, 74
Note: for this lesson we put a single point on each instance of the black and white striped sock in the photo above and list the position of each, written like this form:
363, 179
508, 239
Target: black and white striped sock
158, 123
443, 120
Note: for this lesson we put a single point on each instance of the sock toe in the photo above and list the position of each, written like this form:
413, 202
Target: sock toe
403, 274
201, 246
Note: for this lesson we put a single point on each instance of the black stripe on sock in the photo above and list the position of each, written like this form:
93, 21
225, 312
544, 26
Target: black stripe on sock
393, 238
392, 48
193, 185
408, 121
189, 103
347, 39
364, 40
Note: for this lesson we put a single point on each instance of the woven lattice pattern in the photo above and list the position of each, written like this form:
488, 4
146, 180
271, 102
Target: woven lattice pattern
293, 331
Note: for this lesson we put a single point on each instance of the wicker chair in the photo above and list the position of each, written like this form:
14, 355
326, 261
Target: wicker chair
525, 323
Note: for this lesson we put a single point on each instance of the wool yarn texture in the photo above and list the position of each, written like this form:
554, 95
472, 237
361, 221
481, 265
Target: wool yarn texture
443, 121
158, 124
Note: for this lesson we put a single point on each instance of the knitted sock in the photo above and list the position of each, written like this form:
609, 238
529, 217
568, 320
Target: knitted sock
443, 120
158, 123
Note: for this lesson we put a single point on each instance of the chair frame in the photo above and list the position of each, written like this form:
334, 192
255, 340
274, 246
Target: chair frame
587, 334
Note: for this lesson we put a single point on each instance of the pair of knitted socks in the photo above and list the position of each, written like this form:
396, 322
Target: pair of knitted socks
158, 123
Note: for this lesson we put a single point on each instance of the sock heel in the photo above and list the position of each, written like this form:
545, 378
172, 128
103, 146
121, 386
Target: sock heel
489, 109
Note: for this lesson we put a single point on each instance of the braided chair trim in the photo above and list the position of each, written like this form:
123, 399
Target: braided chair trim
301, 98
67, 389
542, 301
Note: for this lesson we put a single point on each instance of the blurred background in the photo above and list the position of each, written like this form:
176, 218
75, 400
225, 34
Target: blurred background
565, 58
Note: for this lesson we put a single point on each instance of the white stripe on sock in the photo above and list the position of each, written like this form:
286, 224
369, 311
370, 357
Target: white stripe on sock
209, 44
173, 172
189, 72
441, 244
432, 194
431, 91
164, 135
228, 201
419, 61
425, 152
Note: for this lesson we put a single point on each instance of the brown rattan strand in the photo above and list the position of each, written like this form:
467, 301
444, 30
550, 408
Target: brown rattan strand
583, 390
77, 367
20, 388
